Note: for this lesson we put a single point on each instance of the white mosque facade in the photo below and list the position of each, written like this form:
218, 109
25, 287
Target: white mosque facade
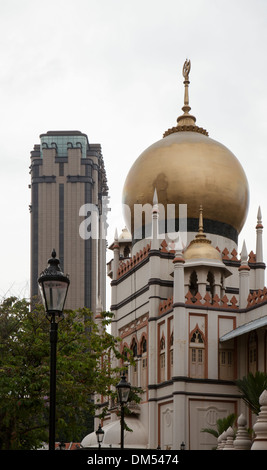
191, 308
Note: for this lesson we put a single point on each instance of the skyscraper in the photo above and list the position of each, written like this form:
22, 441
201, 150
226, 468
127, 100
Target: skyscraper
68, 198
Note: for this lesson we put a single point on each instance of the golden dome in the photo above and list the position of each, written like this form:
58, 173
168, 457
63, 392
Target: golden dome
200, 247
201, 250
188, 167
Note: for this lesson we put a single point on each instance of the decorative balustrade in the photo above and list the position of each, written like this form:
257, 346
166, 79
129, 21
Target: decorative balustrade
165, 306
209, 301
241, 440
126, 266
257, 297
197, 300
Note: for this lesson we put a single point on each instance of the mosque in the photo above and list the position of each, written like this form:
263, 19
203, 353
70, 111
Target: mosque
191, 308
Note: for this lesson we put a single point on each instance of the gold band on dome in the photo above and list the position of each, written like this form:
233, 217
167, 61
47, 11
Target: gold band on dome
186, 122
178, 128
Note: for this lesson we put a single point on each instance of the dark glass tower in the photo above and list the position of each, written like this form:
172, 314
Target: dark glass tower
68, 212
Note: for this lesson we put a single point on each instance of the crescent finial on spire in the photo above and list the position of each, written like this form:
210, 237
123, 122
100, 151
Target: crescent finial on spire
186, 69
186, 122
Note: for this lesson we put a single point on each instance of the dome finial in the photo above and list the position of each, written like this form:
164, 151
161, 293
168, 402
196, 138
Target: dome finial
200, 228
186, 71
201, 233
186, 122
186, 118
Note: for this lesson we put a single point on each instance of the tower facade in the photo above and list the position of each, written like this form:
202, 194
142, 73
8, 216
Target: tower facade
68, 203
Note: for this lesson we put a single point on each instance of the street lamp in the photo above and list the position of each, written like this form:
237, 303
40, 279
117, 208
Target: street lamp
53, 285
100, 435
123, 390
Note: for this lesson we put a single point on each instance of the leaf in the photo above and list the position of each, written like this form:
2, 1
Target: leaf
222, 425
251, 387
211, 431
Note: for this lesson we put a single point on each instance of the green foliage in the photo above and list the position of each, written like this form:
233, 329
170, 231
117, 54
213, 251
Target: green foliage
222, 425
84, 370
251, 388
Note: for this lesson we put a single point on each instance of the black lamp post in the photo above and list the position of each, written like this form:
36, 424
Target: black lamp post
53, 285
100, 435
123, 390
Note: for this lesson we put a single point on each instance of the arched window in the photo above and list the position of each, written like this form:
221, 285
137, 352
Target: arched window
196, 337
134, 377
143, 346
197, 355
210, 285
162, 359
252, 352
193, 288
143, 362
134, 347
126, 252
171, 354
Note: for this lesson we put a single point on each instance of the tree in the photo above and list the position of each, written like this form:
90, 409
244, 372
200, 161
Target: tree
222, 425
251, 388
84, 371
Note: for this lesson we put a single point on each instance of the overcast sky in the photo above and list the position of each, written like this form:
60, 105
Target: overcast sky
113, 70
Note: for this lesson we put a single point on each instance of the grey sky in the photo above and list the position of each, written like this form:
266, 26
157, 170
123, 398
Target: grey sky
113, 69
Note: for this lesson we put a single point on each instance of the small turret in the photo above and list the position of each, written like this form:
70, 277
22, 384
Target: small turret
259, 253
259, 231
155, 223
243, 277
